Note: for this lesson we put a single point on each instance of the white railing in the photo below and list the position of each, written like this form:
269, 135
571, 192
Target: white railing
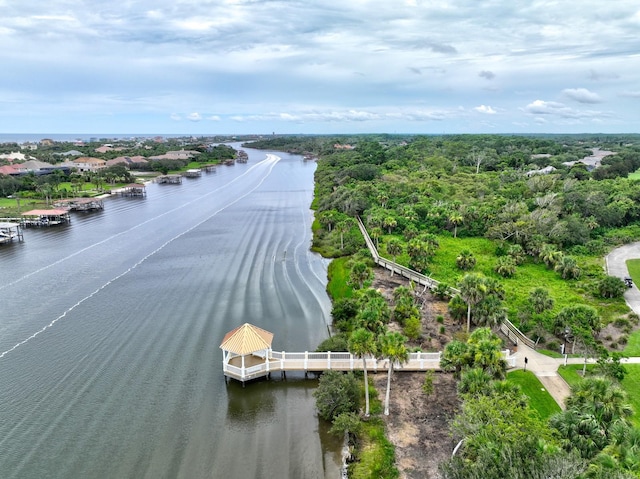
340, 360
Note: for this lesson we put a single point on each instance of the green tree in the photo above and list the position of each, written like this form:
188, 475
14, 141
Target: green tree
359, 274
337, 393
472, 290
362, 343
455, 219
540, 300
465, 260
568, 268
393, 348
611, 287
394, 248
505, 266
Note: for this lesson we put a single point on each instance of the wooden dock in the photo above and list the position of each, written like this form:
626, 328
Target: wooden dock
10, 232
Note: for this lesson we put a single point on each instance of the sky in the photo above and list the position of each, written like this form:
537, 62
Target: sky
319, 67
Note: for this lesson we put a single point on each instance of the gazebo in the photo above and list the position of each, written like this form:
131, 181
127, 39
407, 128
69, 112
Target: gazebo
246, 352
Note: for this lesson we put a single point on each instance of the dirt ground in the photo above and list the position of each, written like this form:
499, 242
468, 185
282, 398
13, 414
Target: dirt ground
418, 425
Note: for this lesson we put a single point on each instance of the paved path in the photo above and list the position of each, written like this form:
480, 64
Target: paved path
546, 368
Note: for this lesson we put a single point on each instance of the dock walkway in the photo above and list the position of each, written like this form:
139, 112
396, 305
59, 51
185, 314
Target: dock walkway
254, 366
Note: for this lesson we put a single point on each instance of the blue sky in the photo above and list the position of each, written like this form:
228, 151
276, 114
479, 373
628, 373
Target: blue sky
331, 66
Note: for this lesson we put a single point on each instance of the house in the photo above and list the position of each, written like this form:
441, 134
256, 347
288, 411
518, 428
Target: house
127, 160
9, 170
86, 163
176, 155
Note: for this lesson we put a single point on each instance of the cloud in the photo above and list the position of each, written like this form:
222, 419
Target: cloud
486, 74
176, 117
195, 116
582, 95
631, 94
486, 109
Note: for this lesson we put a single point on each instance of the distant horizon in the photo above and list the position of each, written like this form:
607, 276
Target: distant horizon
36, 137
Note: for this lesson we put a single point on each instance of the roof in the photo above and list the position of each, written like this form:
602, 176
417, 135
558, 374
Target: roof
59, 212
246, 339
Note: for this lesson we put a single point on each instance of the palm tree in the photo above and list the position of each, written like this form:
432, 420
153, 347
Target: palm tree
375, 233
568, 268
540, 300
389, 222
472, 290
392, 347
505, 266
550, 255
603, 399
394, 248
363, 343
359, 274
465, 260
455, 218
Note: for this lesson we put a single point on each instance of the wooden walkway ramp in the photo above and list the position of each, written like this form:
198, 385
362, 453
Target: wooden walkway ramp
253, 366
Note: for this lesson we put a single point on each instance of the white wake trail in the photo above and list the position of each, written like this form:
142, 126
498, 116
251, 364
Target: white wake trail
270, 158
106, 240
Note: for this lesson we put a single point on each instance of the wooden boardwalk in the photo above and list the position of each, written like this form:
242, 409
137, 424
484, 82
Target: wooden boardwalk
256, 366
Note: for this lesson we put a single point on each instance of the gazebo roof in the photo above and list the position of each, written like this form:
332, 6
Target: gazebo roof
246, 339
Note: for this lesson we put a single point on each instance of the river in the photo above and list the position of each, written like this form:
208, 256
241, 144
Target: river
110, 329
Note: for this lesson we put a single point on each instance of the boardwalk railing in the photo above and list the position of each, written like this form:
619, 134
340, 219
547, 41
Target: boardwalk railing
507, 327
339, 361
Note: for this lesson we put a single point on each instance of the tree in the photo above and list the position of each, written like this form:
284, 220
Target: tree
505, 266
465, 260
389, 222
337, 393
362, 343
394, 248
472, 290
568, 268
611, 287
540, 300
550, 255
359, 274
392, 347
456, 219
419, 253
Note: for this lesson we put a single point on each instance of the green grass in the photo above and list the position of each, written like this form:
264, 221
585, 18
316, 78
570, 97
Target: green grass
634, 176
631, 384
633, 265
551, 354
633, 344
572, 373
528, 276
338, 277
539, 398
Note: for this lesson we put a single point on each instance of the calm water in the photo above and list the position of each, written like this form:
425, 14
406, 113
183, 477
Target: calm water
110, 329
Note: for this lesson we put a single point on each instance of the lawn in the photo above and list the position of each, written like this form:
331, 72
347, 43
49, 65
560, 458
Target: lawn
539, 399
338, 276
634, 176
528, 276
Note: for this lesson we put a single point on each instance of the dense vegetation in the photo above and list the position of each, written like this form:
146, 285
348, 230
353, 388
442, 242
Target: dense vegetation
520, 227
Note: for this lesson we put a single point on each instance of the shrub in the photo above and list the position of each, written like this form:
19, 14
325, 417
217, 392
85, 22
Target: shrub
442, 329
611, 287
440, 319
413, 327
505, 266
337, 393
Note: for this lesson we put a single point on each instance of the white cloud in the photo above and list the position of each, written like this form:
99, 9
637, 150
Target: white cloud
485, 109
333, 65
582, 95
